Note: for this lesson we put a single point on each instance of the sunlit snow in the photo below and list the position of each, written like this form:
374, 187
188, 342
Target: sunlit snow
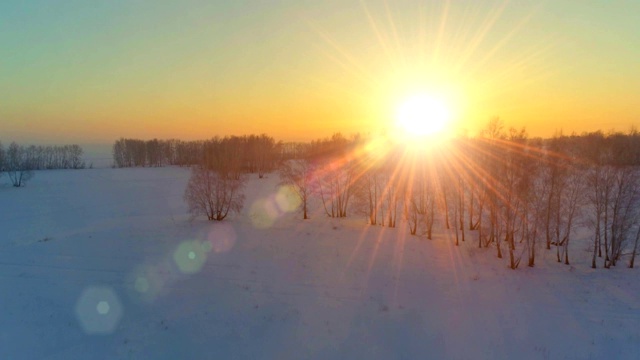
127, 273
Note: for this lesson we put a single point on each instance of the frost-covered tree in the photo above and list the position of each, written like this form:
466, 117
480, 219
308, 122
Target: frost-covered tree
214, 195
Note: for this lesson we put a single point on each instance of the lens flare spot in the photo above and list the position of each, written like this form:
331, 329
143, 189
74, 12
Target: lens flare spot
148, 281
142, 284
103, 307
222, 238
287, 200
264, 213
98, 310
190, 256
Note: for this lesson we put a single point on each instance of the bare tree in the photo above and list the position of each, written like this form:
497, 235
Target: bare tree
600, 185
491, 138
454, 190
336, 173
421, 201
534, 218
450, 195
213, 194
2, 159
570, 203
367, 191
554, 176
624, 209
334, 187
445, 195
390, 195
298, 173
17, 165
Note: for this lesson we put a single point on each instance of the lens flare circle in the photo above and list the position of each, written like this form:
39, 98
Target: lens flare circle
220, 239
190, 256
98, 310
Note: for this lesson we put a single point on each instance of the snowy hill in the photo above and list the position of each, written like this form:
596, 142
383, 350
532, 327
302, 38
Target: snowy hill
106, 263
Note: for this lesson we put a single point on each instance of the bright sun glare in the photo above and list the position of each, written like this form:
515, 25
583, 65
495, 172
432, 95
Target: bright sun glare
422, 115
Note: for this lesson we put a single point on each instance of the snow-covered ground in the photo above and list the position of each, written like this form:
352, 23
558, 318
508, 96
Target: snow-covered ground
105, 263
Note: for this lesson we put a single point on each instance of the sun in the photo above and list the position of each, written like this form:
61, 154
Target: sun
422, 115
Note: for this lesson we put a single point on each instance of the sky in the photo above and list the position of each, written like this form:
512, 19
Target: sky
94, 71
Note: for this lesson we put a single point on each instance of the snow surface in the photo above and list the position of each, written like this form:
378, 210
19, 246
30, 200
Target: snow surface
105, 263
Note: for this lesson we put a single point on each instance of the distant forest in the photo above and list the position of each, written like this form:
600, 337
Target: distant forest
613, 148
515, 192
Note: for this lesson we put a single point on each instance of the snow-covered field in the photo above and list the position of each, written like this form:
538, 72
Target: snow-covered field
105, 263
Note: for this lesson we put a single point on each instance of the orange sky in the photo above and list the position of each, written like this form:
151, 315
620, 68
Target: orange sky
80, 72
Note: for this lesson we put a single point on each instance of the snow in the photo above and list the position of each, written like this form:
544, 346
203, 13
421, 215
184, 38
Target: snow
105, 263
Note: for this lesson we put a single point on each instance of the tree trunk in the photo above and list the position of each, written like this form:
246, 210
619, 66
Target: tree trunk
595, 244
548, 218
471, 227
532, 251
480, 228
304, 209
446, 213
635, 248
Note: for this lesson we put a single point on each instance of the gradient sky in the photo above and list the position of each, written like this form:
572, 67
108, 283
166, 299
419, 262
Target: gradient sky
92, 71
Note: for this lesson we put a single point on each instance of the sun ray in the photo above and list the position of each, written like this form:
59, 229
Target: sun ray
381, 39
441, 32
394, 33
351, 63
480, 35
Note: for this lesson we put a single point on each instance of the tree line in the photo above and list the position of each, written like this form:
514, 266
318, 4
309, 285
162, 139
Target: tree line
247, 154
19, 161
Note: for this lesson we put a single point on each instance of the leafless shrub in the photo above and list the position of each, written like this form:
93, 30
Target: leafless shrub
214, 195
